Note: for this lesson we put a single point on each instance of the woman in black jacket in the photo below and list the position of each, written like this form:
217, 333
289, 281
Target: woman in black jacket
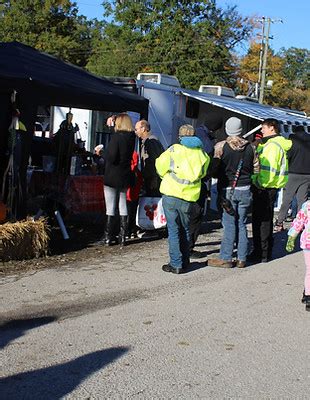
118, 176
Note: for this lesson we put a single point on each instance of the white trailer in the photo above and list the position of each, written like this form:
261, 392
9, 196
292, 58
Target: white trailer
170, 106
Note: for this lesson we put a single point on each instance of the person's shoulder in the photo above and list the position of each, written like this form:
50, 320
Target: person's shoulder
272, 140
174, 147
220, 144
124, 135
153, 140
153, 146
152, 136
300, 138
306, 206
218, 149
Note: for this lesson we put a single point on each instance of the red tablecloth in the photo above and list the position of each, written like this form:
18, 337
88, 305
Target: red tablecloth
77, 193
84, 194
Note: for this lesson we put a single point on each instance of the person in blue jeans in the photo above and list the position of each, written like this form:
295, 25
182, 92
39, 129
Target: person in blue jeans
181, 168
233, 164
235, 229
177, 213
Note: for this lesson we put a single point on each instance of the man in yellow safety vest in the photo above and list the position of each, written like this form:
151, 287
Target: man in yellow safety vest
273, 175
181, 168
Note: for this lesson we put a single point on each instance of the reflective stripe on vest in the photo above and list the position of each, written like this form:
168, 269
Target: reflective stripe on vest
283, 170
182, 181
173, 174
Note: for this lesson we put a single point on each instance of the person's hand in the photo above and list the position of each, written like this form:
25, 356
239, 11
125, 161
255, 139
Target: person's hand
290, 244
111, 121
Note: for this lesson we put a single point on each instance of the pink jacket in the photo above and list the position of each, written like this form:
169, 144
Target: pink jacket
302, 223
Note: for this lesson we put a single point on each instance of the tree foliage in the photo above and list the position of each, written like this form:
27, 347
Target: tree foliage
193, 40
53, 26
297, 67
289, 71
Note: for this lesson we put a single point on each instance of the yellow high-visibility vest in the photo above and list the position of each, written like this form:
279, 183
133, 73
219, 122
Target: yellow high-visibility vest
273, 163
181, 170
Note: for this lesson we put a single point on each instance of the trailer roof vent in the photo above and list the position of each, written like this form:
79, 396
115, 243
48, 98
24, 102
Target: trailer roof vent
161, 79
217, 90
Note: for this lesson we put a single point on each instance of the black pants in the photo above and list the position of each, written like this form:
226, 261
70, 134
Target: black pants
197, 216
298, 185
195, 224
132, 212
262, 220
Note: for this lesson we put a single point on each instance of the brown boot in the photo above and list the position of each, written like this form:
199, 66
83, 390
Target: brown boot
217, 262
240, 264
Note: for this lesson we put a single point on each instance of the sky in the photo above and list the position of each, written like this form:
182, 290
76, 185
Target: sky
293, 31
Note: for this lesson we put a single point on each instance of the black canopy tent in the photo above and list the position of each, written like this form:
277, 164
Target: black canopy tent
46, 80
41, 79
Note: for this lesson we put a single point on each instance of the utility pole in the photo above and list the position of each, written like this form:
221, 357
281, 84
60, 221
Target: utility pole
261, 50
263, 56
264, 63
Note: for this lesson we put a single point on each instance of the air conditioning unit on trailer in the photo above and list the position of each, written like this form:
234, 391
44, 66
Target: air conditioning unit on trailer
217, 90
161, 79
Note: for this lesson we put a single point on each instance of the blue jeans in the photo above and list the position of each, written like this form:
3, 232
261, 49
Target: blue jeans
177, 212
235, 225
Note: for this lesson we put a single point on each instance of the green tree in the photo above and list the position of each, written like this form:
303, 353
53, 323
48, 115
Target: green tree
297, 67
53, 26
193, 40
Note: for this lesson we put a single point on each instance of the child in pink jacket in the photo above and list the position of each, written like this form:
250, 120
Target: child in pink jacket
302, 224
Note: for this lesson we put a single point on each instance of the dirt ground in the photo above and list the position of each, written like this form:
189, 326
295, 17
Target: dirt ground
84, 245
81, 246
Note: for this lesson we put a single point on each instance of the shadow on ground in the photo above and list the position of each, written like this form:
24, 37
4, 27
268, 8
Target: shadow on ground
12, 330
56, 381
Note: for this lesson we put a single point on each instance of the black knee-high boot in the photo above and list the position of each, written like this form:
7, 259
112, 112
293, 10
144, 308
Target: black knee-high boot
123, 230
108, 230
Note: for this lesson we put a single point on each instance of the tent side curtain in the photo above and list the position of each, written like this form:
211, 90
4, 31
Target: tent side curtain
46, 80
252, 110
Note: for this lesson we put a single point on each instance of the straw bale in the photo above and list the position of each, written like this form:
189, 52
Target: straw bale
24, 239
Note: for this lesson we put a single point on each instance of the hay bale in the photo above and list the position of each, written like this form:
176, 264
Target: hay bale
24, 239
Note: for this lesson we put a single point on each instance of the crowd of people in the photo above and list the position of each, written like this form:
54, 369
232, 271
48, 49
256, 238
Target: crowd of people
249, 176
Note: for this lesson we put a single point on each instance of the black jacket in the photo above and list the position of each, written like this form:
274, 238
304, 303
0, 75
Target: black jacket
299, 154
150, 150
118, 160
225, 168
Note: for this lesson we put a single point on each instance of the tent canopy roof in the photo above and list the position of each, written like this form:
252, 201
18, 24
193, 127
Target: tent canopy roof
252, 110
47, 80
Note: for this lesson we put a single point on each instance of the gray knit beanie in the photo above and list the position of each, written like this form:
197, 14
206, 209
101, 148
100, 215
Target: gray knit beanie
233, 126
